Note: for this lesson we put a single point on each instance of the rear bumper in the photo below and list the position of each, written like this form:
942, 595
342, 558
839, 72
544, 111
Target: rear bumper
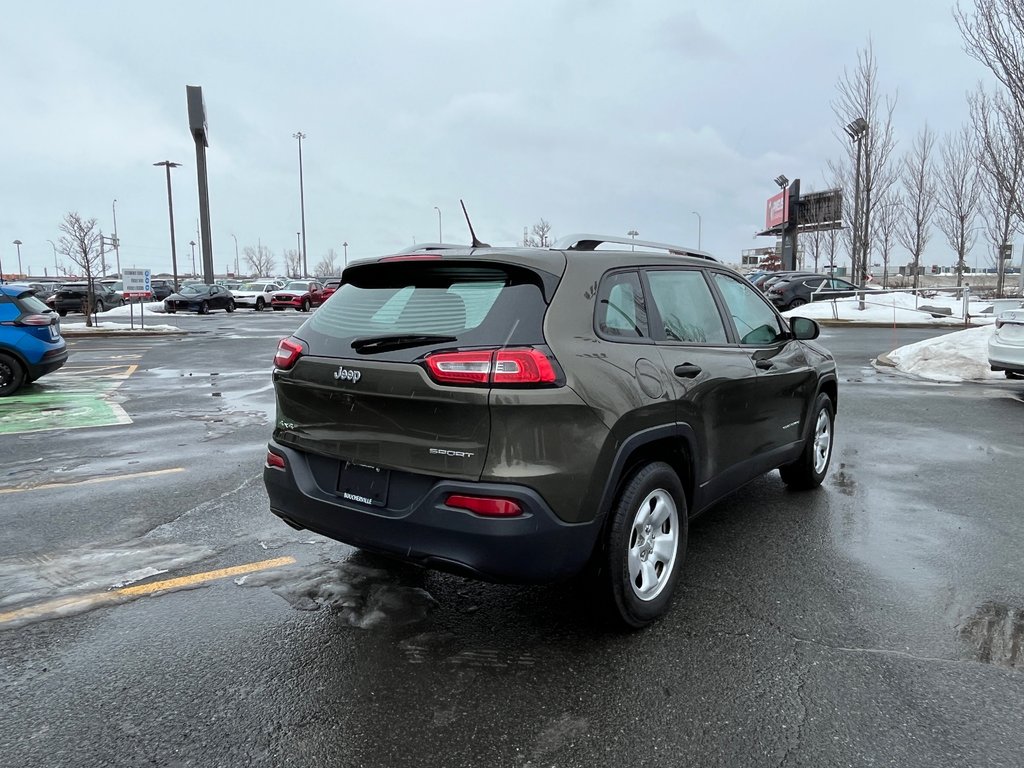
52, 360
534, 547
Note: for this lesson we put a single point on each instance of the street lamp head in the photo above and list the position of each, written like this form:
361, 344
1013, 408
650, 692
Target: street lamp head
299, 135
168, 164
856, 129
782, 181
17, 242
632, 233
192, 243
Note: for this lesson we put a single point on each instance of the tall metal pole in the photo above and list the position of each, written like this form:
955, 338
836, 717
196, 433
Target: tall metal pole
299, 246
856, 215
700, 226
632, 234
17, 244
117, 243
193, 244
302, 203
345, 246
236, 253
439, 238
167, 164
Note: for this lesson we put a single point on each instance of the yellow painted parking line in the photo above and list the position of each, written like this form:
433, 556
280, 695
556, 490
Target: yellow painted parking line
94, 480
72, 604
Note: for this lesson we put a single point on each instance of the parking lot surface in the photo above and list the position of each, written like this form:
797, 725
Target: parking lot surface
153, 611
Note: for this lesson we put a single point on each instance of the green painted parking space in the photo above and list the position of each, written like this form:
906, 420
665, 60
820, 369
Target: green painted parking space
62, 403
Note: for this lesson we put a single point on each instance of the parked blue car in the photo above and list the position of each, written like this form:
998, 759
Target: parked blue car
30, 340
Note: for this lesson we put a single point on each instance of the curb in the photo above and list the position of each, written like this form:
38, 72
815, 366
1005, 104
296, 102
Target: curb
106, 334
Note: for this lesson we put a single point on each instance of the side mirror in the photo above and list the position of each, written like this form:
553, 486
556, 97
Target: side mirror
804, 329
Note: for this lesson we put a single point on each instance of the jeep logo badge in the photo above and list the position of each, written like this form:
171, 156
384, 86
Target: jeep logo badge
347, 374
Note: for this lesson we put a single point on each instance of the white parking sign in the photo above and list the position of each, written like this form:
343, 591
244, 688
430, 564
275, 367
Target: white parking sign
137, 283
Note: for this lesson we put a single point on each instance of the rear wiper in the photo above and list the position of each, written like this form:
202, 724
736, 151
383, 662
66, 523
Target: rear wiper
370, 344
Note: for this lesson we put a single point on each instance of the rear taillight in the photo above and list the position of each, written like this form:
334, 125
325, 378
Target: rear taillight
288, 351
35, 320
274, 460
499, 366
485, 506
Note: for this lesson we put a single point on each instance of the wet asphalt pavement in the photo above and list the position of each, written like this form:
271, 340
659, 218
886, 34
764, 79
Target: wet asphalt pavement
877, 621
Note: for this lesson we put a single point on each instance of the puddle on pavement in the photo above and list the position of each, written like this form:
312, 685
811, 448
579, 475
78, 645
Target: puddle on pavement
223, 421
361, 596
995, 633
81, 579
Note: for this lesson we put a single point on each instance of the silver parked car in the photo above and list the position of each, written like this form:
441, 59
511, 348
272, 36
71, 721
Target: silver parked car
1006, 346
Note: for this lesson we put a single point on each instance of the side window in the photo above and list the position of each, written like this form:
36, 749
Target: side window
620, 312
686, 307
754, 319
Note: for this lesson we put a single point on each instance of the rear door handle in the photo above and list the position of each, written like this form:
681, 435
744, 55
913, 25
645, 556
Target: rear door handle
764, 365
686, 370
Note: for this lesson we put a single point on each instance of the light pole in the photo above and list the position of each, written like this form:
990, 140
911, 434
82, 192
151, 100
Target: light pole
117, 243
56, 269
167, 164
632, 233
700, 226
236, 253
18, 244
856, 130
302, 201
298, 247
439, 238
193, 244
345, 246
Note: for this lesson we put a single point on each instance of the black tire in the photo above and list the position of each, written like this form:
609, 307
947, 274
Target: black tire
259, 304
204, 308
305, 305
62, 312
641, 562
279, 309
170, 310
798, 302
231, 305
810, 469
12, 375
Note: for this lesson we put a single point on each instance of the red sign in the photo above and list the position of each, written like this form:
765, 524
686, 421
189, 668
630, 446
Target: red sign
778, 210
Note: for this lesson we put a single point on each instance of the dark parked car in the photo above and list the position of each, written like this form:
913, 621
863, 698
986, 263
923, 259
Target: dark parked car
331, 284
298, 294
795, 291
201, 298
71, 297
161, 289
525, 415
30, 340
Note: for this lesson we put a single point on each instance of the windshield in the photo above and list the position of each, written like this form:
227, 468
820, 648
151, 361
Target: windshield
297, 286
254, 287
192, 290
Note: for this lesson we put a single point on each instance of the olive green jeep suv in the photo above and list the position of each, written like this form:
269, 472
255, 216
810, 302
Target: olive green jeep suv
525, 414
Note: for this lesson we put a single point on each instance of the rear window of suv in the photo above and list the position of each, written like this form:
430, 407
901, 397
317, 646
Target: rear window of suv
474, 304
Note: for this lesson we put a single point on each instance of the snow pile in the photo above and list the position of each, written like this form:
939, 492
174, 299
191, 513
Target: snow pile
133, 309
961, 356
891, 309
70, 329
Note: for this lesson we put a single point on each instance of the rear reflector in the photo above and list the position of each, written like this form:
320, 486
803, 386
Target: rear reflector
288, 351
498, 366
485, 505
273, 460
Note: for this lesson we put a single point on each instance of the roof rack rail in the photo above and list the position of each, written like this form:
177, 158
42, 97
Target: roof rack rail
422, 247
589, 242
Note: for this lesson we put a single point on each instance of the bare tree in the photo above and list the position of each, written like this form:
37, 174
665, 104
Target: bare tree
889, 214
958, 196
917, 176
80, 242
1000, 157
994, 35
540, 235
328, 265
259, 259
859, 96
292, 262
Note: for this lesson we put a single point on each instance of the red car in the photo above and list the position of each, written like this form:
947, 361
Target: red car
331, 284
298, 294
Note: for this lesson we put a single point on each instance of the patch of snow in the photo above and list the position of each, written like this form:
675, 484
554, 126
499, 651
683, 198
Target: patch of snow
891, 309
960, 356
67, 329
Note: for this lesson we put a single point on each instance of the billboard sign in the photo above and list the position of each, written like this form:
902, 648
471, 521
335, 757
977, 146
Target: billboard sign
136, 283
777, 213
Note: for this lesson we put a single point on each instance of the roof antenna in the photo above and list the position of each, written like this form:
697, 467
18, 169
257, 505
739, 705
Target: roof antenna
476, 243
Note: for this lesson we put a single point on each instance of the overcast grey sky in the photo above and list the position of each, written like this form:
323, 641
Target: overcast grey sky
598, 115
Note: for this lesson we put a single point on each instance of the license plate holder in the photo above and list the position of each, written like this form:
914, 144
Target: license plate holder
363, 484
